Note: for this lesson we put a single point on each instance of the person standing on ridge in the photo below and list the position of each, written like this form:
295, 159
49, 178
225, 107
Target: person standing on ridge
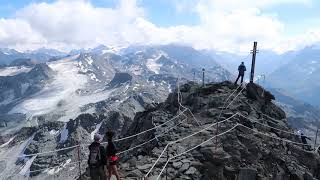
112, 157
304, 141
241, 69
97, 159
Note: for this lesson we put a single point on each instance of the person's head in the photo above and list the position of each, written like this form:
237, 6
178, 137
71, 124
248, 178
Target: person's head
109, 135
97, 138
242, 62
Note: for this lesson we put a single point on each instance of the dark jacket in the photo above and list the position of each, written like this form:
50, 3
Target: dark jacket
242, 68
111, 149
304, 139
103, 160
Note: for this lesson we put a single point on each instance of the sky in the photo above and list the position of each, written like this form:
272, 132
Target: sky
228, 25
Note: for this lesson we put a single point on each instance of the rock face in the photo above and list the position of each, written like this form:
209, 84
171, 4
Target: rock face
17, 87
118, 79
256, 92
23, 62
252, 150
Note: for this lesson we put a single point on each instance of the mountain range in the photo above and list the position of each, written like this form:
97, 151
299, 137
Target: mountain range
50, 99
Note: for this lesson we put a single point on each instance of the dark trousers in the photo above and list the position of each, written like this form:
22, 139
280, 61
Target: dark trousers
306, 146
240, 75
97, 173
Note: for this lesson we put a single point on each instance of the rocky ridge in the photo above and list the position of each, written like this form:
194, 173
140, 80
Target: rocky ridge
242, 153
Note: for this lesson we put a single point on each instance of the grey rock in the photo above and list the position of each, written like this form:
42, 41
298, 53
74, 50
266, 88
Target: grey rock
144, 167
177, 165
135, 173
247, 174
191, 171
184, 167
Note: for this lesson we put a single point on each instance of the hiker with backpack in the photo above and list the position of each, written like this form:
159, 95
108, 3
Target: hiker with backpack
96, 160
112, 157
241, 69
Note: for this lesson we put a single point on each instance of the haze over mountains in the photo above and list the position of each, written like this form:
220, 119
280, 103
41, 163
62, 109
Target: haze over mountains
296, 72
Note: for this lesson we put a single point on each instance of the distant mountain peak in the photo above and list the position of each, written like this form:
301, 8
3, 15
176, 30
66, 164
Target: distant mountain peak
8, 51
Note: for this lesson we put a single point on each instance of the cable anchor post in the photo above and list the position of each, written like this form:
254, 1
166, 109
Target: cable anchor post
79, 158
315, 140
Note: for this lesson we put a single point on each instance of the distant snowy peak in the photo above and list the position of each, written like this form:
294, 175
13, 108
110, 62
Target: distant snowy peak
114, 50
51, 52
99, 50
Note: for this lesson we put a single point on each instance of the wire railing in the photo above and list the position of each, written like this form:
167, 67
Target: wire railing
220, 134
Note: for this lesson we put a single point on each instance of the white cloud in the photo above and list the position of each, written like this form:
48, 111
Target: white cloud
225, 5
310, 37
228, 25
16, 31
73, 23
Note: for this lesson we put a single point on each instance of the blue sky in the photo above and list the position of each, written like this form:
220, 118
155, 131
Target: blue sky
159, 11
188, 21
163, 12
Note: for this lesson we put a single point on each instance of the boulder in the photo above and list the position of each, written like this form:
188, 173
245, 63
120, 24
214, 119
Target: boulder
191, 171
256, 92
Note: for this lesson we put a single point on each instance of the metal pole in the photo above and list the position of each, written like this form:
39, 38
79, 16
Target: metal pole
203, 70
79, 159
194, 76
179, 94
217, 131
254, 51
166, 166
315, 140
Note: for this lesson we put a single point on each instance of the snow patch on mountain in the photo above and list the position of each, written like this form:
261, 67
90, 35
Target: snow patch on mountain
89, 60
10, 154
25, 171
8, 142
64, 134
153, 66
96, 130
152, 63
64, 88
64, 85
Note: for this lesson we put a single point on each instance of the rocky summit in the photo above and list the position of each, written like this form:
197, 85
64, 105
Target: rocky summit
251, 141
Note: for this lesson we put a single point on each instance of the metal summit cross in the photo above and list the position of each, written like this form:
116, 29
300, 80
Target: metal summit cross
254, 53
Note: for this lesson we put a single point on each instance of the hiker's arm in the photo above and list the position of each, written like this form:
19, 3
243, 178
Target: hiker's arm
88, 155
115, 148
